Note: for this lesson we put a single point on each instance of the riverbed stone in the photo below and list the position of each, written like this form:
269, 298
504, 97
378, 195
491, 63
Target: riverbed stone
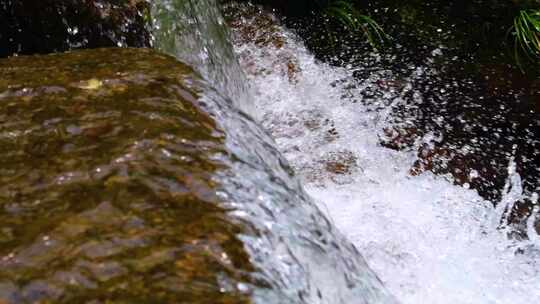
107, 184
46, 26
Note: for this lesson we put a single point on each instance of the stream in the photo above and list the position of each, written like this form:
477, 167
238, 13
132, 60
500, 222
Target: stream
430, 241
239, 168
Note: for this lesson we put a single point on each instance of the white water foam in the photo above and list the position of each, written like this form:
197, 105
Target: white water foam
428, 240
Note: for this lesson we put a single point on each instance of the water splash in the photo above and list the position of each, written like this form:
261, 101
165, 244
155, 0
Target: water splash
299, 254
429, 240
531, 229
512, 193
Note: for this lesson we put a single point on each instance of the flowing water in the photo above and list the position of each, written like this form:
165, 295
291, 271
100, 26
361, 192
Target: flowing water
299, 254
195, 33
428, 240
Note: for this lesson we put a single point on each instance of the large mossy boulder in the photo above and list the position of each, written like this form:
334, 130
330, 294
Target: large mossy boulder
107, 188
46, 26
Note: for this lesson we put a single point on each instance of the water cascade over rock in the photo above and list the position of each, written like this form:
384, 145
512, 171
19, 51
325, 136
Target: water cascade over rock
124, 177
194, 32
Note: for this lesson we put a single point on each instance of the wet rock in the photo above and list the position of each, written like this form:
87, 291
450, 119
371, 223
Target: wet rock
107, 188
8, 293
261, 29
315, 120
46, 26
340, 163
335, 166
252, 24
399, 138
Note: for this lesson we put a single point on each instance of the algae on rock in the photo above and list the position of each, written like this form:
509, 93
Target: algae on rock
106, 184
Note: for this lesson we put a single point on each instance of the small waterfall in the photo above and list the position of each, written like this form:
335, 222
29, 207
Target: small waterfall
194, 32
299, 254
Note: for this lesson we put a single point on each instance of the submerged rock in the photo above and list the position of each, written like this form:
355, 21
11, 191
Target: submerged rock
46, 26
251, 25
106, 184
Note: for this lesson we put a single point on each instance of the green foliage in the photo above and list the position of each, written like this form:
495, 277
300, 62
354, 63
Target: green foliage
345, 13
526, 31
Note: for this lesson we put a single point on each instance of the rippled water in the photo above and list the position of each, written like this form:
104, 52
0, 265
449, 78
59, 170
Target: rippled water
429, 240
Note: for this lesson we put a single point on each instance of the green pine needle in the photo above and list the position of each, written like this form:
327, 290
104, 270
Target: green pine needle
526, 31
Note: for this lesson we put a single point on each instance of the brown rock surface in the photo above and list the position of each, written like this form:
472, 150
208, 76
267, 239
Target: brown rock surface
106, 184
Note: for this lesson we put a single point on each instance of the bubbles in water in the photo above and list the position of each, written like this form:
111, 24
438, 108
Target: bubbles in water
429, 240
